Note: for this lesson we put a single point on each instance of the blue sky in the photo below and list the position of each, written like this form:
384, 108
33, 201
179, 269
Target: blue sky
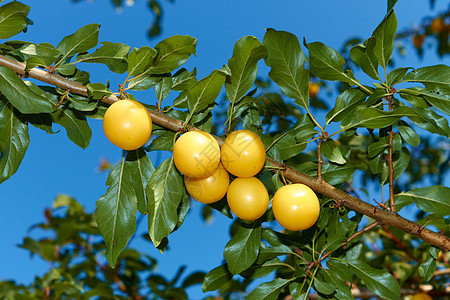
53, 165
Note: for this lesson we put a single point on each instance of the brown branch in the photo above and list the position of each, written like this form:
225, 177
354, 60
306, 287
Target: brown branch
351, 202
390, 162
319, 160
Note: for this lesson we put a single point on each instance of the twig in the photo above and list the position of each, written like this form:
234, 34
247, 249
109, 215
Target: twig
291, 174
319, 159
390, 162
344, 244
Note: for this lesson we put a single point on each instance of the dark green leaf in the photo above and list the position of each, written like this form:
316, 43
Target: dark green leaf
335, 174
42, 55
427, 268
434, 75
408, 134
401, 162
143, 170
346, 103
163, 88
269, 290
139, 60
327, 64
173, 52
13, 19
163, 142
216, 278
243, 248
82, 103
116, 210
432, 199
183, 79
324, 287
76, 126
332, 152
340, 269
390, 6
243, 65
396, 75
21, 96
376, 148
374, 118
428, 120
287, 61
164, 192
363, 55
14, 140
82, 40
205, 91
97, 90
384, 34
378, 281
113, 55
194, 278
66, 69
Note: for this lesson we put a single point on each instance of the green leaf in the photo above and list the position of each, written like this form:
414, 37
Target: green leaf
432, 199
97, 90
163, 142
216, 278
82, 103
164, 192
243, 248
287, 61
340, 269
76, 126
13, 19
269, 290
143, 170
116, 210
408, 134
335, 174
401, 162
396, 75
204, 92
183, 79
376, 148
21, 96
173, 52
427, 268
378, 281
428, 120
140, 59
390, 6
42, 55
332, 152
163, 88
384, 34
14, 140
363, 55
82, 40
434, 75
113, 55
243, 65
374, 118
327, 64
346, 103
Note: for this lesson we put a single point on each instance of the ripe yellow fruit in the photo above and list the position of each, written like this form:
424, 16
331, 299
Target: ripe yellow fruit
248, 198
295, 207
421, 296
210, 189
196, 154
127, 124
313, 89
243, 153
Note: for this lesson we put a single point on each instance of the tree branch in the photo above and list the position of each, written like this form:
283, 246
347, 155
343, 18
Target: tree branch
351, 202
